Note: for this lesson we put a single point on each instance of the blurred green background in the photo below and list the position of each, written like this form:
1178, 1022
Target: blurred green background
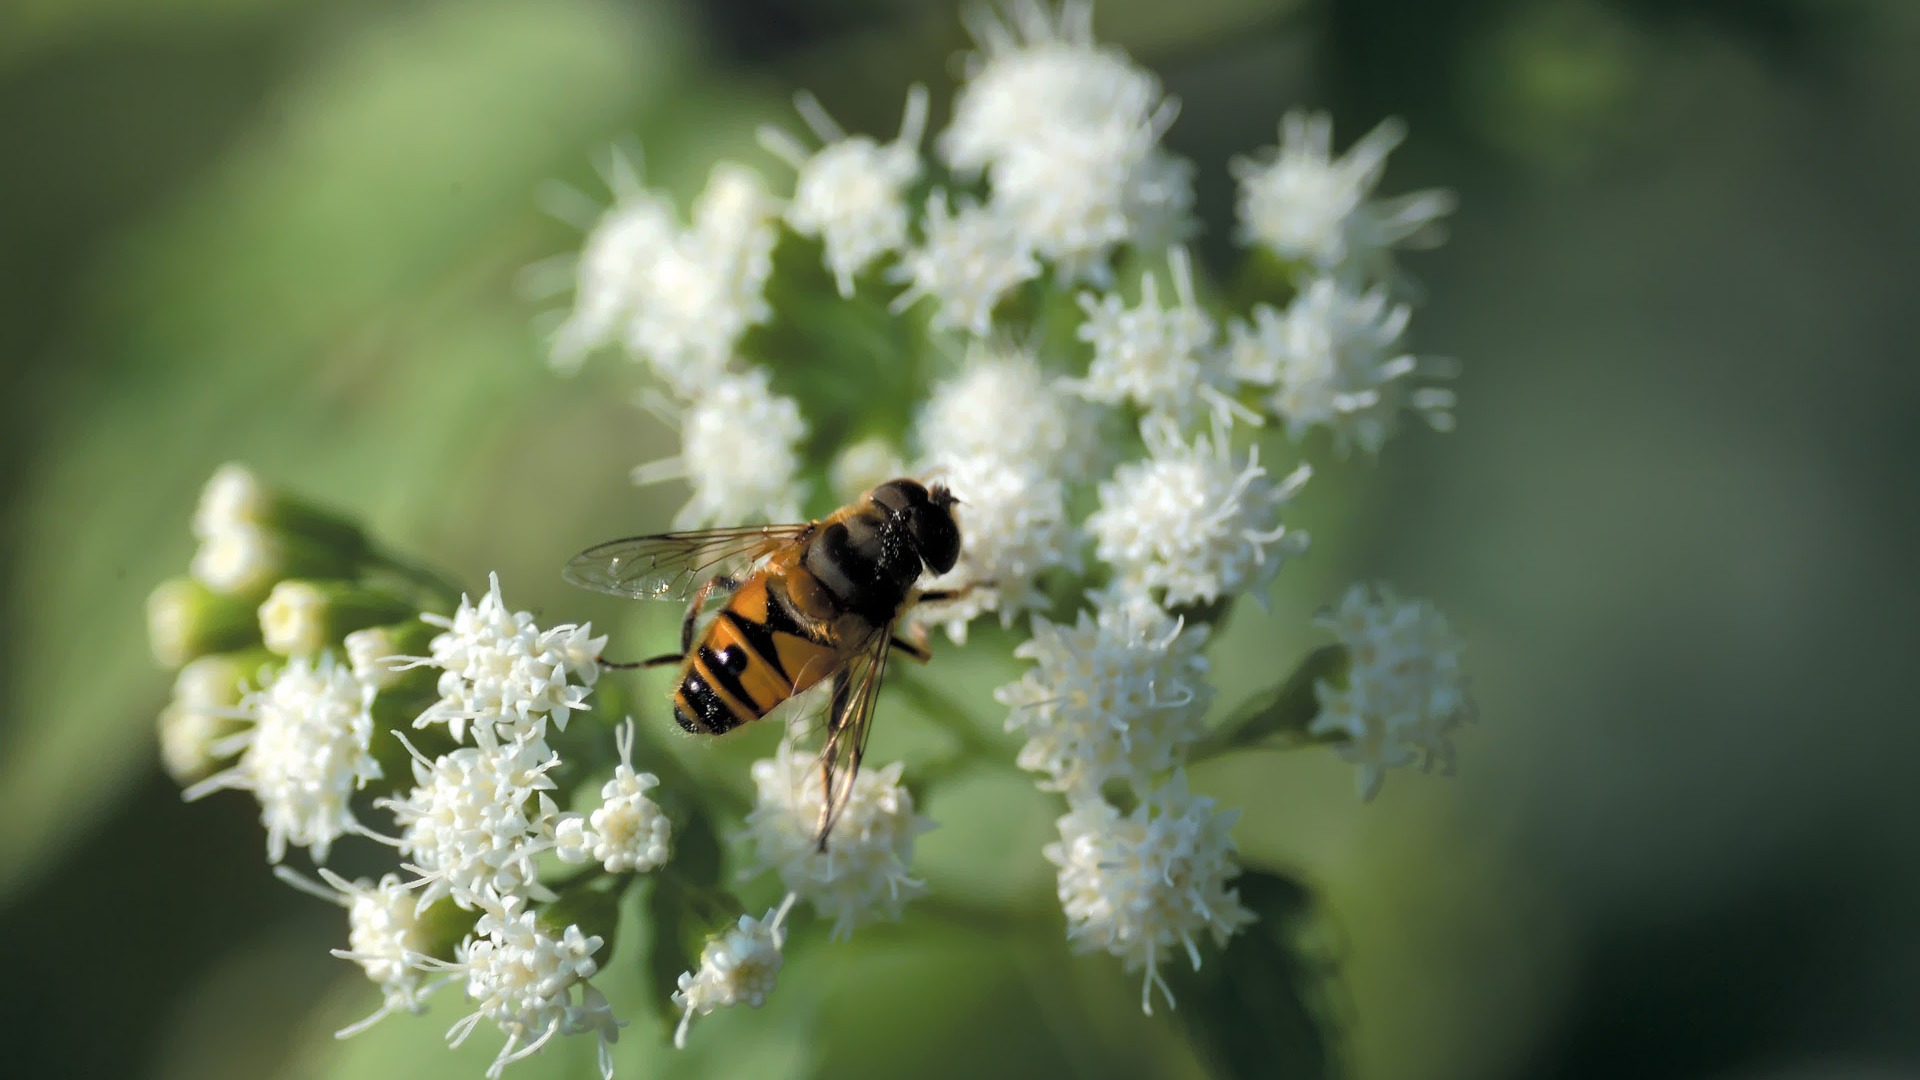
1676, 524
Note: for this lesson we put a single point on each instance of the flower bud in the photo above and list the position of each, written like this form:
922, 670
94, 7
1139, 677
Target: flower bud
235, 499
246, 560
185, 619
302, 617
202, 713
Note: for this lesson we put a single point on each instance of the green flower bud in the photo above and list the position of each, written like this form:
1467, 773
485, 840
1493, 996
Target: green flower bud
185, 619
234, 499
300, 618
202, 714
247, 560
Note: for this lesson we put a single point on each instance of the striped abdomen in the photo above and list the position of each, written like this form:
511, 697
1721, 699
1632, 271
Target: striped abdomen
754, 655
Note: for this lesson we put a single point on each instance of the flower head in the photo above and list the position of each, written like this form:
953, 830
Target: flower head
386, 936
1001, 405
1157, 356
308, 750
736, 967
1117, 694
521, 977
202, 715
1305, 205
862, 875
477, 819
851, 193
966, 262
628, 833
1139, 884
610, 278
1406, 688
1194, 519
232, 498
501, 672
739, 454
1333, 360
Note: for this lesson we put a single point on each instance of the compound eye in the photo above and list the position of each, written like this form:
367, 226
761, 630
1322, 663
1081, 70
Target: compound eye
897, 495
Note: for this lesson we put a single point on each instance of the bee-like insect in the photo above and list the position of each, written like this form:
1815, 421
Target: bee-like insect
805, 603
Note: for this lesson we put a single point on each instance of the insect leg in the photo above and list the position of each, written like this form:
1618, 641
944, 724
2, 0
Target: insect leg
917, 648
719, 583
662, 660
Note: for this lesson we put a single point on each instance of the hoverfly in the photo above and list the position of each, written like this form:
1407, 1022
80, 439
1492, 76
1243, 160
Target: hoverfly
804, 603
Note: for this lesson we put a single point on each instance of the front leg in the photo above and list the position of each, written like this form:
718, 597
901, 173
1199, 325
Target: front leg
719, 583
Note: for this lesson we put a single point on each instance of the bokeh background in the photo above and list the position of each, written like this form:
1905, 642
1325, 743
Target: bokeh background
1677, 521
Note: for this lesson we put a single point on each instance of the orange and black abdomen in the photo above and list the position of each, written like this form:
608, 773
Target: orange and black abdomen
754, 655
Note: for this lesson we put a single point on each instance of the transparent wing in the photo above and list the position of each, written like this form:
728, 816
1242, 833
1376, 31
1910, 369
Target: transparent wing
670, 566
849, 722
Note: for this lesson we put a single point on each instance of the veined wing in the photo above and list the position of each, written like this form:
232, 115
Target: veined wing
669, 566
849, 721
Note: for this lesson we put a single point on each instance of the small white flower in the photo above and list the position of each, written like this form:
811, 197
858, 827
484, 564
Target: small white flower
851, 193
306, 753
477, 820
1037, 73
1305, 205
241, 560
384, 936
501, 672
1333, 360
739, 454
521, 978
862, 877
292, 619
1140, 884
1117, 695
233, 497
610, 277
967, 262
628, 833
736, 967
1157, 356
1406, 689
1194, 519
1013, 527
203, 713
1068, 134
1001, 405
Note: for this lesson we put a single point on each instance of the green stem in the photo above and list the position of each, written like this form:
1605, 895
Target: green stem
435, 583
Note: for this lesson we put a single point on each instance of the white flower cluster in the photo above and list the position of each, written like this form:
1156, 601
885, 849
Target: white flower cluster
521, 976
1406, 689
863, 875
500, 672
736, 967
1137, 885
628, 833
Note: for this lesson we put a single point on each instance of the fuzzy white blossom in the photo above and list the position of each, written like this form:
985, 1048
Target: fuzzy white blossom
502, 673
739, 454
736, 967
1194, 519
679, 298
851, 193
1333, 359
477, 820
386, 937
628, 833
1117, 694
306, 752
1406, 688
1014, 523
1158, 356
522, 978
1139, 885
1068, 133
863, 874
375, 655
1002, 405
966, 263
863, 466
1305, 205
